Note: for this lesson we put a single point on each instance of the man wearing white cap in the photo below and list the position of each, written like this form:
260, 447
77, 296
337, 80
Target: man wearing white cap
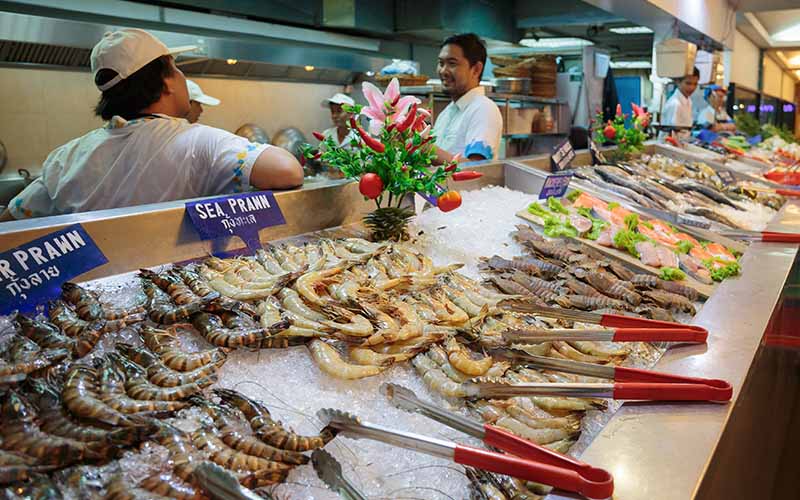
144, 154
196, 100
339, 117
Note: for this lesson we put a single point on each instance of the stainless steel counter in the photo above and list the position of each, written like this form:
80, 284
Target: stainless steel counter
661, 451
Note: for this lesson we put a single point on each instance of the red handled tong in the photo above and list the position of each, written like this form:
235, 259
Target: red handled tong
766, 236
620, 328
524, 459
629, 383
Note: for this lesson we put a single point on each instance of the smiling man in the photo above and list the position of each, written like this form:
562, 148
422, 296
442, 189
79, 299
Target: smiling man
471, 124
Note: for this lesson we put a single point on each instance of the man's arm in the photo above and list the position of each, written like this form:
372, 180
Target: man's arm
6, 216
276, 168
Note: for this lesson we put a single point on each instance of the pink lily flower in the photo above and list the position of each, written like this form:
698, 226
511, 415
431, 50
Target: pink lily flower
385, 105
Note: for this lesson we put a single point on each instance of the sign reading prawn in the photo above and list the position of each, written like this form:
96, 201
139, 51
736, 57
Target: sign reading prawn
32, 273
242, 215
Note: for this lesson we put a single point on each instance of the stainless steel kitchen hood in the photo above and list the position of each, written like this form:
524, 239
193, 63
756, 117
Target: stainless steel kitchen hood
38, 40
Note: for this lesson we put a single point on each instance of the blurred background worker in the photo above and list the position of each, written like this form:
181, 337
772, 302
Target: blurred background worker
339, 118
714, 116
196, 100
677, 110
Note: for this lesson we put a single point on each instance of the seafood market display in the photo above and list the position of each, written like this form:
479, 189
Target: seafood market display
358, 309
197, 379
690, 188
673, 254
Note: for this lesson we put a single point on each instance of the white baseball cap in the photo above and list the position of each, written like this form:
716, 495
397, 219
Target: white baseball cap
128, 50
196, 94
338, 99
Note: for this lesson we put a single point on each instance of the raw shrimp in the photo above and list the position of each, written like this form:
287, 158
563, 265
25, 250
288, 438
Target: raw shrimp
293, 302
160, 374
81, 397
45, 334
308, 284
367, 356
211, 327
166, 345
460, 358
222, 454
169, 485
356, 326
331, 362
436, 379
173, 285
267, 429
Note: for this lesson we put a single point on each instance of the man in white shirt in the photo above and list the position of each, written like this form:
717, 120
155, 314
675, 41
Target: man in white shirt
340, 131
677, 110
471, 125
144, 154
714, 116
196, 100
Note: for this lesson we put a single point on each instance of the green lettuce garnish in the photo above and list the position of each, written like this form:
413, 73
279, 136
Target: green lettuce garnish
631, 221
555, 205
537, 209
573, 195
672, 274
612, 205
646, 224
726, 271
685, 246
627, 240
597, 224
555, 228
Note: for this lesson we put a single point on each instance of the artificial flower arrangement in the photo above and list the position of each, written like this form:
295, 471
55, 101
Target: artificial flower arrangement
392, 158
629, 140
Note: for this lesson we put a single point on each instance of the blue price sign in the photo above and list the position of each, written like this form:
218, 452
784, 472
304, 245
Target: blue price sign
555, 185
242, 215
33, 273
562, 156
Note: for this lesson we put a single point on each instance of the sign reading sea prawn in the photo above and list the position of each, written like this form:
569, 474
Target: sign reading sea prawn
32, 273
242, 215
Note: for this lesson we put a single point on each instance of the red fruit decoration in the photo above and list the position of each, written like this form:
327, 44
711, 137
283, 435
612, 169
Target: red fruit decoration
609, 132
370, 185
319, 136
449, 201
619, 109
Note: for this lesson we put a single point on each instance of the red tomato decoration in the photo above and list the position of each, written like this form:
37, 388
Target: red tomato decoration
449, 201
370, 185
609, 132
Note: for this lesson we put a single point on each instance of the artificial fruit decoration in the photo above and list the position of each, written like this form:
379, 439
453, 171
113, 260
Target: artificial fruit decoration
629, 140
393, 157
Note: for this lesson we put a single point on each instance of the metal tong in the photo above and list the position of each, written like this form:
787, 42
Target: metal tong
680, 334
540, 465
329, 471
621, 328
629, 383
766, 236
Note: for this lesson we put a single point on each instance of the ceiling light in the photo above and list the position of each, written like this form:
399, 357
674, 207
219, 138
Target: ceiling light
370, 73
309, 68
794, 61
555, 43
788, 35
631, 64
631, 30
232, 61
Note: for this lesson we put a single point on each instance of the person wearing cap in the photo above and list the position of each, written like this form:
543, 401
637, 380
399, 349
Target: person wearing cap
714, 116
339, 117
677, 110
144, 154
196, 100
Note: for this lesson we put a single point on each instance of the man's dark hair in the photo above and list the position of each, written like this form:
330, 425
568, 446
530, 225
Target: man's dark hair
133, 94
695, 72
473, 47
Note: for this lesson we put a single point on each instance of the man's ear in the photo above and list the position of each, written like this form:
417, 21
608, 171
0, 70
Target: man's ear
477, 69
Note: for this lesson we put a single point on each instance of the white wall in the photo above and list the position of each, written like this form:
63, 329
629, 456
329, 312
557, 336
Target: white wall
772, 79
743, 61
787, 87
43, 109
715, 18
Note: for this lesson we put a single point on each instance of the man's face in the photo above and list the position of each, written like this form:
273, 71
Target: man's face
195, 110
457, 76
176, 84
688, 85
339, 116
